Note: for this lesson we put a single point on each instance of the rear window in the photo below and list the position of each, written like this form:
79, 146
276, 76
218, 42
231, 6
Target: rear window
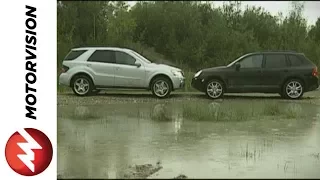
305, 59
73, 55
275, 61
103, 56
295, 60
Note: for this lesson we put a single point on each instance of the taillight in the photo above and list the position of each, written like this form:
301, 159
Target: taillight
64, 69
315, 72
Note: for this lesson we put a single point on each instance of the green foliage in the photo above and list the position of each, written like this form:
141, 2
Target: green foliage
191, 35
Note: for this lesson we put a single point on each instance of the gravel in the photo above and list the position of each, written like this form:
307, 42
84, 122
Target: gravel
70, 99
143, 97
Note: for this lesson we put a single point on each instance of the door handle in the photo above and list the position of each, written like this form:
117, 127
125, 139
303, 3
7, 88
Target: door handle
88, 65
286, 70
117, 68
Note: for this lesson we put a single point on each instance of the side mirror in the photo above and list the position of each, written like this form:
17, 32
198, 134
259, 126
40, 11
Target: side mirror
237, 65
137, 64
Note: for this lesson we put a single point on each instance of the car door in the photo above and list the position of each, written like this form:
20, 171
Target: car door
248, 76
275, 68
127, 72
101, 63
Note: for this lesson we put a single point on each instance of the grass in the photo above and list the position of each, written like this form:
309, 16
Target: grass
251, 153
188, 75
161, 113
63, 89
213, 112
81, 113
289, 111
293, 111
226, 112
271, 109
85, 116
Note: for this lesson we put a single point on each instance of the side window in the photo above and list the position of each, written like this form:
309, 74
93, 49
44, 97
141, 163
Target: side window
124, 58
104, 56
254, 61
74, 55
295, 60
275, 61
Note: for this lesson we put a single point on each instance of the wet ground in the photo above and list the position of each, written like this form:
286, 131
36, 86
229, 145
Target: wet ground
107, 136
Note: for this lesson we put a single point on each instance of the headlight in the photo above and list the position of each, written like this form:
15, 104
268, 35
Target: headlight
177, 73
198, 73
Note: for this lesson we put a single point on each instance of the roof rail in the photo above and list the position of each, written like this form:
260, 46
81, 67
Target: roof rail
280, 51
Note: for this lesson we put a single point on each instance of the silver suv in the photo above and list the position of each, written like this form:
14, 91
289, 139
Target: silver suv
88, 70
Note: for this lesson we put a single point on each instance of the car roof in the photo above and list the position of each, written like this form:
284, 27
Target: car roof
273, 52
101, 48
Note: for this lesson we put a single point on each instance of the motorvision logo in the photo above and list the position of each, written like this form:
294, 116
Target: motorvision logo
29, 151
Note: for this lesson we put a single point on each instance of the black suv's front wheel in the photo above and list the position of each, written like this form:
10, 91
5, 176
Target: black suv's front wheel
214, 89
82, 85
293, 89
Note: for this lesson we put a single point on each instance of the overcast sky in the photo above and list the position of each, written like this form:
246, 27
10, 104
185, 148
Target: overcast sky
311, 8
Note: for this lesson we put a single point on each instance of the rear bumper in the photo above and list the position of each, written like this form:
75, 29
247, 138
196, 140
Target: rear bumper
312, 84
64, 79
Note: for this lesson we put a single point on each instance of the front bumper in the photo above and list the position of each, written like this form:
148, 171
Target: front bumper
198, 84
178, 82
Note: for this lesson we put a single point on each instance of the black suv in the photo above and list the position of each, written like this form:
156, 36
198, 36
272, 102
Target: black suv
288, 73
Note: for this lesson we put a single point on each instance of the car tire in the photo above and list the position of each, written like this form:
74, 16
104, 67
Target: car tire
298, 91
214, 89
161, 87
85, 83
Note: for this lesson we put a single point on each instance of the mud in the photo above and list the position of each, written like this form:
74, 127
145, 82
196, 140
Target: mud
181, 176
141, 171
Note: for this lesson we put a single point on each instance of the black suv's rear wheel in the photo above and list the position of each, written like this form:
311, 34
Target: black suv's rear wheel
214, 89
161, 87
82, 85
293, 89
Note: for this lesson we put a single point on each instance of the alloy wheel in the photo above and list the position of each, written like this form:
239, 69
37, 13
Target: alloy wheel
161, 88
214, 89
294, 89
81, 86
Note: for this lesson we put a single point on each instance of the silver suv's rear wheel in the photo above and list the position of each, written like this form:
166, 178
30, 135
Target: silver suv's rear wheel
293, 89
161, 87
82, 85
214, 89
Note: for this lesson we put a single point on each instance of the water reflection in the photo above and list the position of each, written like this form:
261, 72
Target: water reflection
102, 141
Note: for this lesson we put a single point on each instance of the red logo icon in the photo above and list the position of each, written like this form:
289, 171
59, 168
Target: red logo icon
29, 152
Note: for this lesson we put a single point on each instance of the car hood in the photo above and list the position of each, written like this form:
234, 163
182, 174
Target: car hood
164, 66
215, 68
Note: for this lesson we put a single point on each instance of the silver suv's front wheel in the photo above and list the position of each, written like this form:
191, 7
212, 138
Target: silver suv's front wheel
161, 87
82, 85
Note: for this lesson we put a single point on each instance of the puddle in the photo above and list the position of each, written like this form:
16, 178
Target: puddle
280, 141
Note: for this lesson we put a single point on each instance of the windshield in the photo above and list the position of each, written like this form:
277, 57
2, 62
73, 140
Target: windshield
229, 65
141, 57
